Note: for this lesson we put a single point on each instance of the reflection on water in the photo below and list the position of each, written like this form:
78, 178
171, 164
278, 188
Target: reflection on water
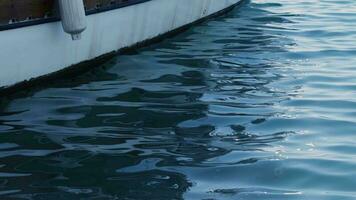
258, 104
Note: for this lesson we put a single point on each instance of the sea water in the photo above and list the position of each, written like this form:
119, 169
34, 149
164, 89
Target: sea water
257, 104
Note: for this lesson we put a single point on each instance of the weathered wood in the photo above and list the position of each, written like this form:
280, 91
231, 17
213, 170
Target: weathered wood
12, 11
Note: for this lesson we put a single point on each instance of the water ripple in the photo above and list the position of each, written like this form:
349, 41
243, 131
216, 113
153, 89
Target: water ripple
258, 104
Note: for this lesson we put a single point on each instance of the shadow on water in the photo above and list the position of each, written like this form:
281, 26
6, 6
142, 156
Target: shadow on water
149, 125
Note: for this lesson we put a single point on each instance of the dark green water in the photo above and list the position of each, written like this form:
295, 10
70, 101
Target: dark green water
259, 104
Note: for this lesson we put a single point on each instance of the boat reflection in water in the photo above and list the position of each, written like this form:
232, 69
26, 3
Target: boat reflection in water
172, 121
36, 33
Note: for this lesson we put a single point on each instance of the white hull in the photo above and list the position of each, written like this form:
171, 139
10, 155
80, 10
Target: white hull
38, 50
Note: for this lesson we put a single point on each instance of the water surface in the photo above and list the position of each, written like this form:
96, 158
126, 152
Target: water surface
258, 104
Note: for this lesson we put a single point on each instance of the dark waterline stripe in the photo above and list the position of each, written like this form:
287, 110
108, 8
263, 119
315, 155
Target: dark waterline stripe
82, 67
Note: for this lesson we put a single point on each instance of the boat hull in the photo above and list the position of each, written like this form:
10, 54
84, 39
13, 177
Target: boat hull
35, 51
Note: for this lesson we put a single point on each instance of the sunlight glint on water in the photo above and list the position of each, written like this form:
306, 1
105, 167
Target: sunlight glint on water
258, 104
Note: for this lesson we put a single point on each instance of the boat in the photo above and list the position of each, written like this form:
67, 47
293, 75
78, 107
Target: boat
44, 38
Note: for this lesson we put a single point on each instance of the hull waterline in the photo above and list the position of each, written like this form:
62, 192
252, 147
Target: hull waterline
40, 50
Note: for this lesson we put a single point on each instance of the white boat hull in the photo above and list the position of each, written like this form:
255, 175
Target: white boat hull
34, 51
